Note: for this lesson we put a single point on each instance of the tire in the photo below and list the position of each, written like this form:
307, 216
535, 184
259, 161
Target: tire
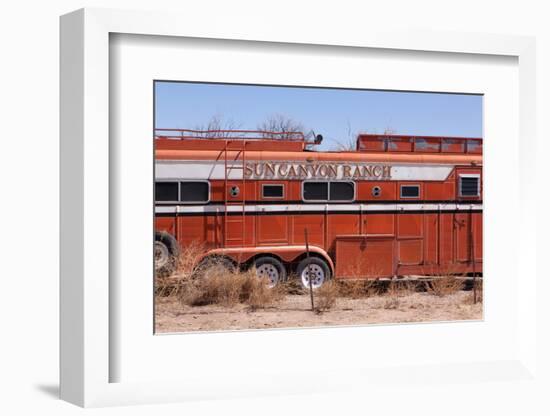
212, 263
166, 251
270, 268
318, 267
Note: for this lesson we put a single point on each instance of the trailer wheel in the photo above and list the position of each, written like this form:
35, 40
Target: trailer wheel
271, 269
166, 253
214, 264
314, 268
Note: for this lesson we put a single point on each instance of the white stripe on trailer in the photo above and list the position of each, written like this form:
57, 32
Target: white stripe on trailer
172, 209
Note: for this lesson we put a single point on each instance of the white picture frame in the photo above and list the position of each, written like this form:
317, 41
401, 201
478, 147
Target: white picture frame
87, 356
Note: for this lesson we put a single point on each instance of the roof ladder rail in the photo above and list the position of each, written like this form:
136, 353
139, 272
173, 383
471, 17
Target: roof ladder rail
239, 156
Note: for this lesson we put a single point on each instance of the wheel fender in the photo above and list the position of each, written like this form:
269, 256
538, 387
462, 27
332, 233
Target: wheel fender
322, 253
285, 253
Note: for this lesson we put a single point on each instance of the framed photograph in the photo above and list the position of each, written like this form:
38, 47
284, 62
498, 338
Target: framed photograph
262, 223
292, 213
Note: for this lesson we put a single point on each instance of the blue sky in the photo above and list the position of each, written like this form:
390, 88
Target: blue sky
330, 112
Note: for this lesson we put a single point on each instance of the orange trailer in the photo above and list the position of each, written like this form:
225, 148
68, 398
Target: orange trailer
394, 206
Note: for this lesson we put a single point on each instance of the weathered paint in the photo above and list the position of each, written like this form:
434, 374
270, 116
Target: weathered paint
378, 234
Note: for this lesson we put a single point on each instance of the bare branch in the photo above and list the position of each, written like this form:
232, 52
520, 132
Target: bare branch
216, 124
279, 123
347, 144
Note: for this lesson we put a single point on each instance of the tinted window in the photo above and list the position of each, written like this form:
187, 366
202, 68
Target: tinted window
166, 191
410, 191
341, 191
315, 191
272, 191
469, 186
194, 191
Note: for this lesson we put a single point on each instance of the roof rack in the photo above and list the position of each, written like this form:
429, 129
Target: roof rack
188, 134
418, 144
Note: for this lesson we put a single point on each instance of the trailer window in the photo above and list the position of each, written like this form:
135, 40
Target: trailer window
166, 191
469, 185
342, 191
329, 191
194, 192
272, 191
410, 191
315, 191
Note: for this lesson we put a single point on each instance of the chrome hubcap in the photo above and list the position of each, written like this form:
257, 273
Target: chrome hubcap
162, 255
316, 273
269, 272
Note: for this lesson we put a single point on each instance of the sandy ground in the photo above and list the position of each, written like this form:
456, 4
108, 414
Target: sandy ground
293, 312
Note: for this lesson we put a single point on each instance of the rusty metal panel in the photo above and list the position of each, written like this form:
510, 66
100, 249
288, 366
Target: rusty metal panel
474, 146
462, 237
409, 225
430, 238
427, 144
452, 146
272, 229
371, 143
410, 251
380, 224
315, 224
400, 144
364, 256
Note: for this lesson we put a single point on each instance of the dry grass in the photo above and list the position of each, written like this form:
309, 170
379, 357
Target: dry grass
164, 287
443, 286
174, 284
292, 286
357, 288
257, 294
294, 311
391, 303
326, 295
475, 295
390, 291
359, 282
189, 258
218, 286
397, 289
400, 288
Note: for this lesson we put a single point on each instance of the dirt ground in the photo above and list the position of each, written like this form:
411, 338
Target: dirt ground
294, 311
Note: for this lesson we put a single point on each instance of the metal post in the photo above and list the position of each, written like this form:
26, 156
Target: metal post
472, 255
309, 273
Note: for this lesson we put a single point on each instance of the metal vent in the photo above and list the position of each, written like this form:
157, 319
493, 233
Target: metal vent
469, 186
410, 191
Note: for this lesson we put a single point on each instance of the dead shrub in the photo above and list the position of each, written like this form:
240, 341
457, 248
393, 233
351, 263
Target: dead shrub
391, 303
362, 280
166, 287
292, 286
219, 286
326, 295
396, 289
356, 289
172, 285
477, 284
256, 292
215, 287
189, 258
444, 286
400, 288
